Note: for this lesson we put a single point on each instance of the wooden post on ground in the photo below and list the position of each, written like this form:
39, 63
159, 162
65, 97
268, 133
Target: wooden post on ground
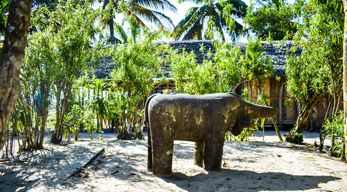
280, 101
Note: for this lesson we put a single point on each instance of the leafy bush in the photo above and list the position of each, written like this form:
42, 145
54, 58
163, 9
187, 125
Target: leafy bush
297, 138
335, 129
75, 121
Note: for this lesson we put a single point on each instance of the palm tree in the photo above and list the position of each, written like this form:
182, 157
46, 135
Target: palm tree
136, 31
140, 10
212, 15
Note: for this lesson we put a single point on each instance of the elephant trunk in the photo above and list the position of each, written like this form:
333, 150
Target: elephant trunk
254, 111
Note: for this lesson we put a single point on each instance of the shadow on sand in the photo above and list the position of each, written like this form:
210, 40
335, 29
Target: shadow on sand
244, 180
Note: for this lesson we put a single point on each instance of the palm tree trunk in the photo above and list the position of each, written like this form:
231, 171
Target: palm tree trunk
11, 59
345, 75
110, 22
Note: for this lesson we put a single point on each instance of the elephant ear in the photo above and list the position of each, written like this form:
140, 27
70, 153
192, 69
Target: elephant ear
240, 125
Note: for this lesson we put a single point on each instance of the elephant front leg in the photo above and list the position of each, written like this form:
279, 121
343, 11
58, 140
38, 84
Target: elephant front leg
162, 158
162, 150
213, 152
199, 153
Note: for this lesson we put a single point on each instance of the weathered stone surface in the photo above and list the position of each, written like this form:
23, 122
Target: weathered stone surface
201, 118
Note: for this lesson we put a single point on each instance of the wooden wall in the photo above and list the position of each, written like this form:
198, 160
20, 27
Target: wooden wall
287, 120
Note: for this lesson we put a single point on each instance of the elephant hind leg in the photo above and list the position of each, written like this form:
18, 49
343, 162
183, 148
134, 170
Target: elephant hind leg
149, 158
199, 153
149, 152
213, 153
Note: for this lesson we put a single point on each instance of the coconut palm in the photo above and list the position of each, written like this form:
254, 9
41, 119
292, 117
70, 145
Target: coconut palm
140, 10
212, 15
135, 32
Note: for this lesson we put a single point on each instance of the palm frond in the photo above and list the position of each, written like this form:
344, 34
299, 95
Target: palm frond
237, 31
139, 22
217, 17
164, 18
239, 8
160, 5
193, 15
154, 17
121, 33
179, 29
195, 32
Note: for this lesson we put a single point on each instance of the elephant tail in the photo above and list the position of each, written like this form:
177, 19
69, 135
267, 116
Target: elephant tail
149, 156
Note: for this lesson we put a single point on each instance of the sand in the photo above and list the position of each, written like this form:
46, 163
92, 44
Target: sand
255, 165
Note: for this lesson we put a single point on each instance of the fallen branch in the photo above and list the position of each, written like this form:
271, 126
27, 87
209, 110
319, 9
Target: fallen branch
80, 169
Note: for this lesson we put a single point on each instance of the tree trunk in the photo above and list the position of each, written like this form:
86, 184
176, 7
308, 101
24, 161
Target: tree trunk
345, 75
11, 59
301, 122
62, 108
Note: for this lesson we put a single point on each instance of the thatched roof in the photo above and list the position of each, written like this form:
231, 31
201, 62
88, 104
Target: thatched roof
276, 50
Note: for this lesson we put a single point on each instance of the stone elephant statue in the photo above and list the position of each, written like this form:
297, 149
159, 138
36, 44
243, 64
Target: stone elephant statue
203, 119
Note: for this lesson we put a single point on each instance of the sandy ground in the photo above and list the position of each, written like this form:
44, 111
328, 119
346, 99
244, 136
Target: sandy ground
255, 165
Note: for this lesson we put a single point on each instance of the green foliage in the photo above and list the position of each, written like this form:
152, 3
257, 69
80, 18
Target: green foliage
288, 102
50, 121
71, 31
243, 136
210, 77
297, 139
75, 121
221, 72
3, 17
318, 69
182, 66
136, 66
255, 65
35, 93
245, 93
335, 129
91, 125
220, 17
307, 73
273, 19
98, 103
